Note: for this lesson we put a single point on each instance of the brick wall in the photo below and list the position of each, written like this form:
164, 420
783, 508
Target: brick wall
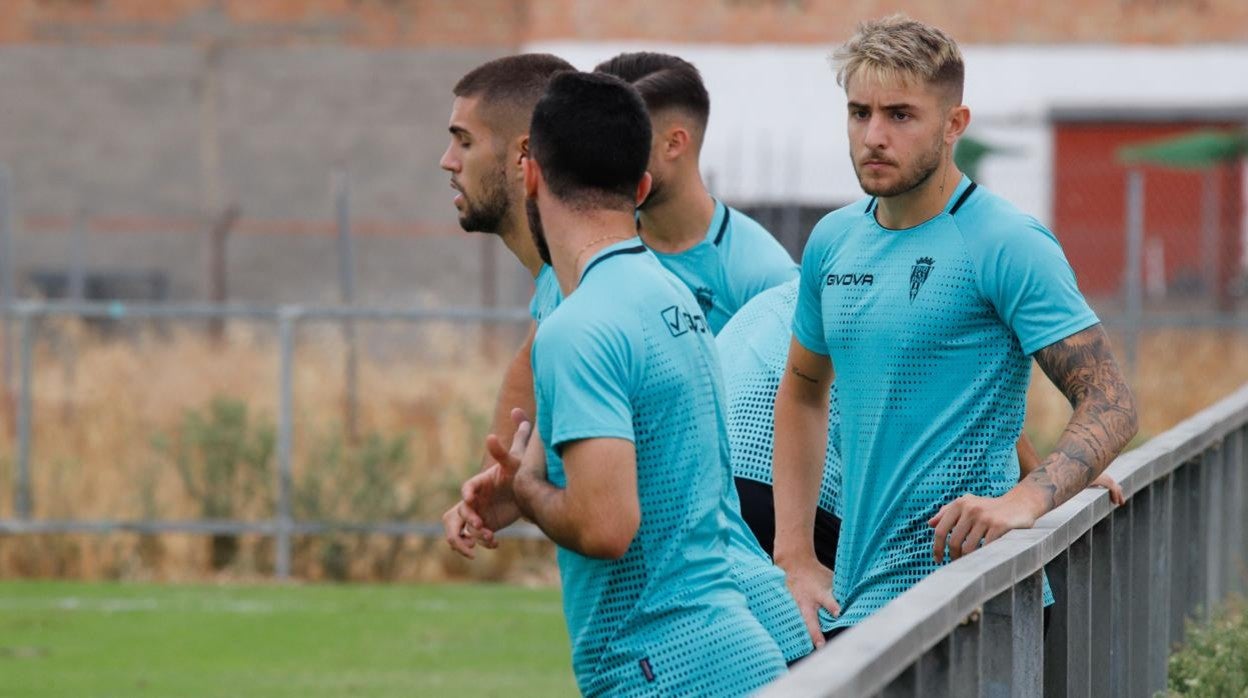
502, 23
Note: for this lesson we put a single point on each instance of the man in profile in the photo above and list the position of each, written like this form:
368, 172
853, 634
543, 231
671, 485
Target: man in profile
628, 469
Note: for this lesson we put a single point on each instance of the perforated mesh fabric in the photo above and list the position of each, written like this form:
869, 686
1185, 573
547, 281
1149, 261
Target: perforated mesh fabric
926, 328
669, 617
754, 350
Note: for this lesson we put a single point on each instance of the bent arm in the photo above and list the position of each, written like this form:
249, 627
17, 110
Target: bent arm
801, 437
597, 513
516, 391
1102, 424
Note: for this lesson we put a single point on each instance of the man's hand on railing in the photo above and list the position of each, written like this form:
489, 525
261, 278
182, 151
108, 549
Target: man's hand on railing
969, 521
1104, 481
810, 583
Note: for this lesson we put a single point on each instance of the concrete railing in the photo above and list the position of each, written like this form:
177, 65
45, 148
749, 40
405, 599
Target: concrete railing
1125, 580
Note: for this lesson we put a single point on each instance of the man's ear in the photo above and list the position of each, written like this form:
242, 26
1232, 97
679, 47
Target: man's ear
643, 188
955, 126
676, 140
521, 145
532, 175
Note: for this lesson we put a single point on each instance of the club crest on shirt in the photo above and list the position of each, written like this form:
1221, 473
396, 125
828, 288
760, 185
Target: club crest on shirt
918, 274
706, 299
680, 321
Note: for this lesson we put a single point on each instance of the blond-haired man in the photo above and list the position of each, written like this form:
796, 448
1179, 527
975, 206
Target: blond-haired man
930, 297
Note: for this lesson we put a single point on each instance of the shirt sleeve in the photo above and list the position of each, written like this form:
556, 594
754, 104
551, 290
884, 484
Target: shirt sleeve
589, 372
1026, 276
763, 262
808, 317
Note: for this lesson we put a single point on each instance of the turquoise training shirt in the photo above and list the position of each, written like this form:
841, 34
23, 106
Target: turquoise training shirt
629, 355
736, 260
930, 331
546, 295
763, 583
754, 351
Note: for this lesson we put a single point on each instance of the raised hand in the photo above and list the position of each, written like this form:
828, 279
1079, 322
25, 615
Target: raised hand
487, 503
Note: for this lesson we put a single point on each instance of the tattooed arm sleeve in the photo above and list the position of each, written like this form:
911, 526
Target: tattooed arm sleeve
1104, 418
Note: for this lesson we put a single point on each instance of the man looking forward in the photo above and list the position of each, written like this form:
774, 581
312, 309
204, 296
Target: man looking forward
930, 298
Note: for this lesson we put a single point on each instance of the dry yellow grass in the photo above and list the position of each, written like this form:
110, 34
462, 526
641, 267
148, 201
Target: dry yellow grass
98, 403
1180, 373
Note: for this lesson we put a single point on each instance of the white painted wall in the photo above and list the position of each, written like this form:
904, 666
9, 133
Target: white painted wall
778, 118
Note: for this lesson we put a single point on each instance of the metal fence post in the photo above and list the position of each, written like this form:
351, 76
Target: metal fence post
1214, 543
1198, 539
1056, 659
1104, 587
7, 293
287, 322
22, 497
967, 669
1180, 551
346, 279
1134, 267
1159, 583
1142, 593
1241, 464
1029, 635
997, 645
1079, 617
1120, 626
1231, 508
935, 670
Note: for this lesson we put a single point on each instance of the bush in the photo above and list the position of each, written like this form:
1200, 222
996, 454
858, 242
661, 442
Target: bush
1214, 661
225, 462
359, 482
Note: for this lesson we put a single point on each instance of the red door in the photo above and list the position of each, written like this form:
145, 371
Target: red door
1089, 200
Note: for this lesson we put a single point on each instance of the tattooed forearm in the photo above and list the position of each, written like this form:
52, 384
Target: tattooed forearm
798, 372
1104, 420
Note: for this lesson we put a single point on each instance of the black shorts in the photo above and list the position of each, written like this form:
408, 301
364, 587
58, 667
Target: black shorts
758, 510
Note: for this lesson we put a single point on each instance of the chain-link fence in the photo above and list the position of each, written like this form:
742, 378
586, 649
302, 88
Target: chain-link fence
292, 427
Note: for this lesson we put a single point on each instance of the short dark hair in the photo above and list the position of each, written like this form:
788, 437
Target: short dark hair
510, 86
591, 137
664, 81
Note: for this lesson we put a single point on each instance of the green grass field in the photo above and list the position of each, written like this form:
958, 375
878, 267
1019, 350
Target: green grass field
83, 639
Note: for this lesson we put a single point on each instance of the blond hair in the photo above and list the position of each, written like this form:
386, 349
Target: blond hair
897, 48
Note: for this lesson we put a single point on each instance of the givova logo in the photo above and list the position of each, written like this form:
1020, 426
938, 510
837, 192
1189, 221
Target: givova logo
681, 321
850, 279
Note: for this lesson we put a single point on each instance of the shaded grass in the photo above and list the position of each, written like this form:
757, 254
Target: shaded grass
108, 639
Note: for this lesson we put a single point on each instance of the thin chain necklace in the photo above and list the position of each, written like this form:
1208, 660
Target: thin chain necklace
591, 243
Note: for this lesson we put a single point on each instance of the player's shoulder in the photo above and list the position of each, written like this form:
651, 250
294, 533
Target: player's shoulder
845, 217
605, 300
986, 217
837, 223
777, 299
745, 228
767, 313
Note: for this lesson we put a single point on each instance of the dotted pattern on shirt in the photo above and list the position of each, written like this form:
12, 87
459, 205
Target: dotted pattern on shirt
754, 350
686, 619
931, 384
